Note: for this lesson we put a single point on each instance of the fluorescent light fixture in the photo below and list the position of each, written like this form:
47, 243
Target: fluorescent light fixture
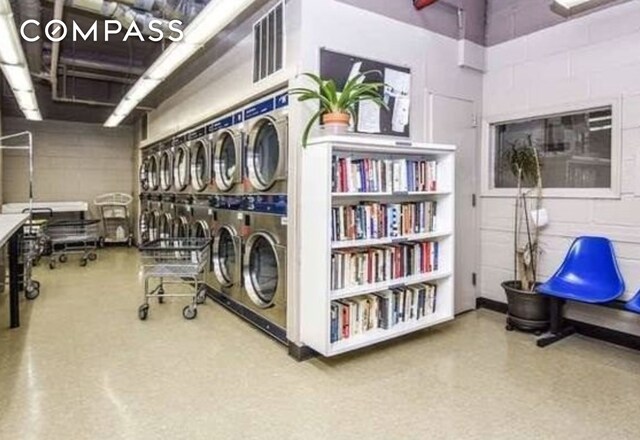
32, 115
567, 8
170, 60
14, 64
18, 77
217, 15
10, 49
571, 3
26, 100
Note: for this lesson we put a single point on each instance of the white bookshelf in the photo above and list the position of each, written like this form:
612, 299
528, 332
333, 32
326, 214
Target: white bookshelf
317, 245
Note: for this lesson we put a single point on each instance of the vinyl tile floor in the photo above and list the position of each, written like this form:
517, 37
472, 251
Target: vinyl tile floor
82, 366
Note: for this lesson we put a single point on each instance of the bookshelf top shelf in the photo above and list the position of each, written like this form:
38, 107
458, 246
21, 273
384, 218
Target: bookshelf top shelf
376, 144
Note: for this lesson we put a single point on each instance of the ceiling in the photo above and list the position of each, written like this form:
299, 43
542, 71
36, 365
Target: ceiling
92, 77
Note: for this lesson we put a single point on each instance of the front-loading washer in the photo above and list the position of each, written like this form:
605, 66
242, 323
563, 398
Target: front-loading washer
227, 153
264, 271
165, 166
267, 145
183, 217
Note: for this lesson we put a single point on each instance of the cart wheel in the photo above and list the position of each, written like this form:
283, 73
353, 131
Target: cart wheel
93, 256
189, 312
52, 264
35, 284
201, 297
161, 296
130, 242
83, 262
509, 328
32, 292
62, 258
143, 312
101, 242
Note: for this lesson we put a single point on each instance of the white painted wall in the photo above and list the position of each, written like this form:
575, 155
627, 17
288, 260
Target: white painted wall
582, 61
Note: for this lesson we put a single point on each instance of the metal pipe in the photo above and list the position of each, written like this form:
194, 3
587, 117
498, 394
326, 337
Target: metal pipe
98, 76
30, 10
99, 65
58, 9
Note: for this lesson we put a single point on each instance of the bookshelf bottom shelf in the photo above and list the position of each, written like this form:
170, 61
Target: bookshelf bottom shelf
380, 335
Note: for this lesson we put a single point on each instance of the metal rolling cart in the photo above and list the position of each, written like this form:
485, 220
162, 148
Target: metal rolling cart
73, 237
175, 261
33, 246
116, 218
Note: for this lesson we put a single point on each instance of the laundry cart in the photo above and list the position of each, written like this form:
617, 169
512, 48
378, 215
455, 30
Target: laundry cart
178, 262
116, 218
34, 243
73, 237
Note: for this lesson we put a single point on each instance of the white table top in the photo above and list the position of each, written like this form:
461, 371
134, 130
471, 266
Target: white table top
9, 225
18, 208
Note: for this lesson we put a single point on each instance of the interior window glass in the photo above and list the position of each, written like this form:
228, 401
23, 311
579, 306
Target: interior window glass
574, 149
263, 269
267, 153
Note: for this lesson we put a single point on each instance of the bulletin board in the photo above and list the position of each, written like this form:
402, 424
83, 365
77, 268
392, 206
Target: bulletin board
397, 92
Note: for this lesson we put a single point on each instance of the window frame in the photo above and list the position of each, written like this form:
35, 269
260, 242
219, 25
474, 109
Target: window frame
488, 188
257, 64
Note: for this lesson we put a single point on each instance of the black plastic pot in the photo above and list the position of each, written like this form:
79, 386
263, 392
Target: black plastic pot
527, 311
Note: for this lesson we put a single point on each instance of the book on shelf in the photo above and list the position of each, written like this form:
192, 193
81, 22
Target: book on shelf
372, 220
383, 310
358, 267
351, 175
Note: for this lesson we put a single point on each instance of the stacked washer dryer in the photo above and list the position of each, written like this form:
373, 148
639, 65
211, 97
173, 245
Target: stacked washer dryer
250, 160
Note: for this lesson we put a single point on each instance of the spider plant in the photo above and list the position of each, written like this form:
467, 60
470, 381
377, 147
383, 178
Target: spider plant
333, 101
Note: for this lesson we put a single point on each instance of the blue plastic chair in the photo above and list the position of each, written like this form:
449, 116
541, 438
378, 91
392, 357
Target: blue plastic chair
589, 274
634, 304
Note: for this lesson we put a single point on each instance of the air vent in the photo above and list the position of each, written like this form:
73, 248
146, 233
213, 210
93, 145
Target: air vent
268, 38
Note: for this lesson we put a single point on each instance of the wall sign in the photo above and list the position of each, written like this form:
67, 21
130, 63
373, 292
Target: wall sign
397, 93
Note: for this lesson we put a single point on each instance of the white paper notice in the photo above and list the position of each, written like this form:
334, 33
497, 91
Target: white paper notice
398, 86
369, 117
355, 71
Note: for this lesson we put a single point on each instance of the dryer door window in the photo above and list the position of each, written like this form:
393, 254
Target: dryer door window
154, 181
144, 175
165, 226
265, 155
165, 171
181, 169
226, 162
261, 270
200, 167
143, 227
154, 223
200, 230
224, 256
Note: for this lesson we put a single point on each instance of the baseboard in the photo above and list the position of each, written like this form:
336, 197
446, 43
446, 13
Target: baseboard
584, 328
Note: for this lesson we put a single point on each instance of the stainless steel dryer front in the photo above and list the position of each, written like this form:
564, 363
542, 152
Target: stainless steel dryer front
183, 217
202, 215
165, 168
264, 270
227, 157
267, 145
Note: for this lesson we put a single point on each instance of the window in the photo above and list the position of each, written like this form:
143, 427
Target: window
575, 149
268, 44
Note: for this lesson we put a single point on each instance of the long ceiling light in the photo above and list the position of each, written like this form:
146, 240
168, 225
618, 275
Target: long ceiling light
14, 64
567, 8
217, 15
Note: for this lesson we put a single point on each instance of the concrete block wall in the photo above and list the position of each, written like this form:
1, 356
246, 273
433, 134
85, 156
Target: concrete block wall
73, 161
577, 63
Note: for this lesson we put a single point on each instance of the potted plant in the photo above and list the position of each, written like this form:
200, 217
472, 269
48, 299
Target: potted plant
338, 107
527, 309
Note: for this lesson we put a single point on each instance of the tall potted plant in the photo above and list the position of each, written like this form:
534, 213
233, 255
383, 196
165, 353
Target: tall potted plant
338, 107
527, 310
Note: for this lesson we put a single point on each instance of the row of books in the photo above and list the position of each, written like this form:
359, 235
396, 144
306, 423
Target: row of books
353, 267
383, 310
383, 175
375, 220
